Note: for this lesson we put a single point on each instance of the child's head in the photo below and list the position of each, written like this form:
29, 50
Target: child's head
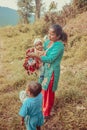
56, 33
38, 44
33, 88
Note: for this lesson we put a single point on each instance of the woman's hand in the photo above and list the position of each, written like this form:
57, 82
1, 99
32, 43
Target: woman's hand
33, 55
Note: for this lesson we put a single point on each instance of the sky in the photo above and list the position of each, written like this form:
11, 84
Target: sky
13, 3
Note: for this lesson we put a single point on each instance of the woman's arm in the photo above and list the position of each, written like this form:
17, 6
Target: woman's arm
54, 53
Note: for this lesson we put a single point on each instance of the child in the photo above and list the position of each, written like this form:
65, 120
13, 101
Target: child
33, 64
31, 110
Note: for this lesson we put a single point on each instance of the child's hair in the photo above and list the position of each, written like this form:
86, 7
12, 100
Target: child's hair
34, 88
37, 40
59, 32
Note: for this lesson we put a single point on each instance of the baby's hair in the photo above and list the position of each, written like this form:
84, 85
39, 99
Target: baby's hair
59, 32
37, 40
34, 88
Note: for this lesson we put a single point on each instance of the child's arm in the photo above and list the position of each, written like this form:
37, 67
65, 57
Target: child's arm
23, 112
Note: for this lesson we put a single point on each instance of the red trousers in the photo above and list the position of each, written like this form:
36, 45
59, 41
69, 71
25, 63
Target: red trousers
48, 98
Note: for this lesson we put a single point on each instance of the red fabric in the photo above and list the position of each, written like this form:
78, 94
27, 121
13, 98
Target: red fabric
30, 68
48, 98
30, 50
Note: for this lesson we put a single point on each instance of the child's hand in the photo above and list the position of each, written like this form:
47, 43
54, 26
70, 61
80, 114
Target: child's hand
22, 121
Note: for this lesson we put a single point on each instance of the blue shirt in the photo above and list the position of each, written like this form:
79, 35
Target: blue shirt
32, 107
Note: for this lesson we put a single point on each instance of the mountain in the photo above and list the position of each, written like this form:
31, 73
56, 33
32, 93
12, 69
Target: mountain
10, 17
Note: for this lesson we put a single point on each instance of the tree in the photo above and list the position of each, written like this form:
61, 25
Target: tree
38, 7
25, 9
52, 6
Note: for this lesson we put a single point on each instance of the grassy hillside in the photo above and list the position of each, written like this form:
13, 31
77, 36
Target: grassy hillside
71, 100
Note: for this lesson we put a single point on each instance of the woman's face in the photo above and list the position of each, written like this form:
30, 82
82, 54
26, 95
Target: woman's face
52, 35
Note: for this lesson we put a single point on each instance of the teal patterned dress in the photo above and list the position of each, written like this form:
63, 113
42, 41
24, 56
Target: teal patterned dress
51, 62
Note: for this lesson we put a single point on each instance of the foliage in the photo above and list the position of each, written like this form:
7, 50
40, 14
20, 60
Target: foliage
80, 5
54, 17
25, 9
69, 11
52, 6
60, 17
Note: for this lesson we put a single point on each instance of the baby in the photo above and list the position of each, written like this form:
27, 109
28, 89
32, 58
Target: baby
38, 46
33, 64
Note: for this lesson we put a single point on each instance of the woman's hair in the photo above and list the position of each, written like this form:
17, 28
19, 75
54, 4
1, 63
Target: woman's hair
34, 88
59, 32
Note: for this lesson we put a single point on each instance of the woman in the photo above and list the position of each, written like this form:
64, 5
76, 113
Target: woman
54, 49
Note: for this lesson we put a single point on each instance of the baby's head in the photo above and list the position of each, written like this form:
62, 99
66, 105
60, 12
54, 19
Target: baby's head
33, 88
38, 44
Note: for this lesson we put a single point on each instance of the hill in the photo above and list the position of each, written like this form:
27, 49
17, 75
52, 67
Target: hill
10, 17
71, 98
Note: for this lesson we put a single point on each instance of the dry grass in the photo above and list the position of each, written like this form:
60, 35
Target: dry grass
71, 101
